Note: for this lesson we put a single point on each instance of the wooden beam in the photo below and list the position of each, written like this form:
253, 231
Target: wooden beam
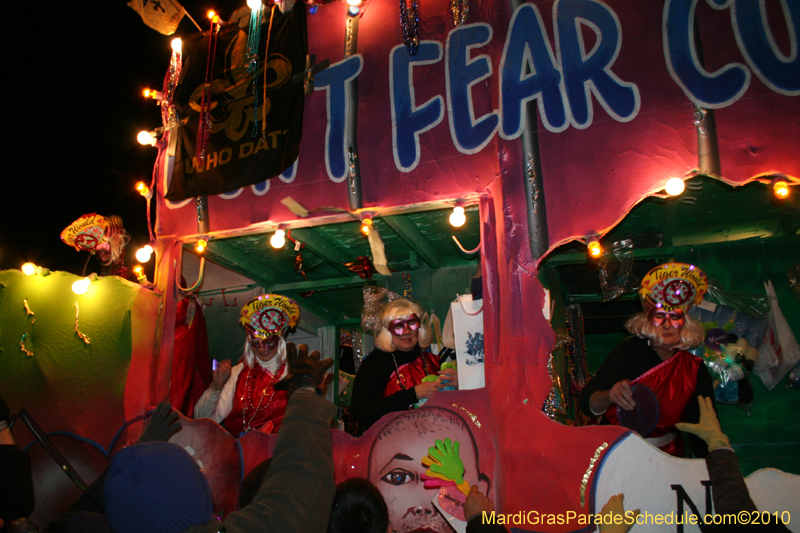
414, 238
319, 285
322, 249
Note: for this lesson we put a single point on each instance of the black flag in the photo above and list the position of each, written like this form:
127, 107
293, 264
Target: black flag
239, 152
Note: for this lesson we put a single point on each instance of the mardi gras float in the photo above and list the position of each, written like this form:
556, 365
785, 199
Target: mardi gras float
319, 156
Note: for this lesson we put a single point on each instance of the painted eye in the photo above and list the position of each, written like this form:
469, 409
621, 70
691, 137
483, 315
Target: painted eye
398, 477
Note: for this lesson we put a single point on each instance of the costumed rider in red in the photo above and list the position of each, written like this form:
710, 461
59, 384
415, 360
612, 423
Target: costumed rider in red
657, 360
104, 237
244, 397
391, 377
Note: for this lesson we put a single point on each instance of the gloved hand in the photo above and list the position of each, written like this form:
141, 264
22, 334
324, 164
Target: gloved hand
708, 427
304, 370
163, 424
614, 507
446, 463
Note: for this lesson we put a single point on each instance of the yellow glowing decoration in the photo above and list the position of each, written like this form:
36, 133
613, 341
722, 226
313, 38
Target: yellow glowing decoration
675, 186
29, 269
146, 138
278, 239
138, 270
213, 16
201, 245
144, 254
366, 225
142, 188
254, 4
780, 188
595, 250
83, 337
457, 217
354, 2
177, 45
81, 286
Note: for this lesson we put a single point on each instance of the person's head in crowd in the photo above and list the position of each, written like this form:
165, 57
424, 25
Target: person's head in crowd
395, 466
266, 319
401, 327
155, 487
358, 507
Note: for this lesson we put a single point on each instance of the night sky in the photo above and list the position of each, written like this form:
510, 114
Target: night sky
74, 108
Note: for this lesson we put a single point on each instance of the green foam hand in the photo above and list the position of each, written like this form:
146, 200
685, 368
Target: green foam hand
447, 461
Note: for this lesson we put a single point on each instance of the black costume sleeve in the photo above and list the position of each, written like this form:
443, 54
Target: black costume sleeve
368, 403
616, 367
729, 490
703, 387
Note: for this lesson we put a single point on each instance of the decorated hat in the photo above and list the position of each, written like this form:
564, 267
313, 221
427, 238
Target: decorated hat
673, 286
269, 314
89, 231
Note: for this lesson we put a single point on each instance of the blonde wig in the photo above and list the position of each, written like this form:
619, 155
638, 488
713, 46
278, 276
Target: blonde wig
641, 326
401, 309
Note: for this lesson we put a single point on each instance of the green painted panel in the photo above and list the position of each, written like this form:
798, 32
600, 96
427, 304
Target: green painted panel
67, 384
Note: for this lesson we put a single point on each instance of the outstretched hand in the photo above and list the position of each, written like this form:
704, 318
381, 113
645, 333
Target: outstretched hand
163, 424
614, 507
305, 370
708, 427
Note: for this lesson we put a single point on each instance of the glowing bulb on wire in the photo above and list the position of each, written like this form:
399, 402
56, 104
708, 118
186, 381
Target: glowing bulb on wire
29, 269
201, 245
457, 217
278, 239
144, 253
142, 188
675, 186
255, 5
780, 188
81, 286
146, 138
177, 45
595, 250
366, 225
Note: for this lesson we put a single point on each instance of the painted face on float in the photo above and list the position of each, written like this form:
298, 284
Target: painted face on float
405, 332
395, 467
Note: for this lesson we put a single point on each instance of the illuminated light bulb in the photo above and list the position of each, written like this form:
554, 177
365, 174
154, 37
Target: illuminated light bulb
152, 93
780, 188
354, 2
594, 248
81, 286
177, 45
255, 5
675, 186
144, 253
201, 245
278, 239
353, 10
29, 269
138, 270
366, 225
142, 188
146, 138
457, 217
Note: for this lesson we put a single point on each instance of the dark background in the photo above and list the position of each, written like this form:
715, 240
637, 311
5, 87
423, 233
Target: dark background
74, 105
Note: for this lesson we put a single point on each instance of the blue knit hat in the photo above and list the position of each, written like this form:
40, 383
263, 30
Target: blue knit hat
156, 487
